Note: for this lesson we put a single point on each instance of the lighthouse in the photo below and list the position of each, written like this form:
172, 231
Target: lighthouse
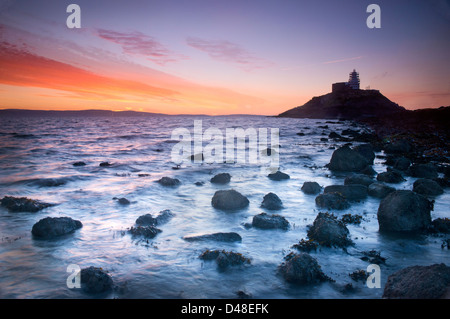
353, 80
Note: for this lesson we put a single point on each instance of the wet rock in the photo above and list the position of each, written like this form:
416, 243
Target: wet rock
23, 204
404, 211
229, 200
301, 134
311, 188
301, 269
418, 282
359, 275
393, 177
398, 147
199, 183
328, 231
265, 221
440, 225
50, 182
51, 227
323, 139
77, 164
223, 237
402, 163
222, 178
373, 257
427, 187
423, 171
148, 220
167, 181
272, 202
360, 179
332, 201
351, 219
243, 295
350, 132
347, 159
368, 170
306, 245
334, 135
278, 176
122, 201
95, 280
164, 216
349, 192
105, 164
225, 259
366, 150
379, 190
147, 232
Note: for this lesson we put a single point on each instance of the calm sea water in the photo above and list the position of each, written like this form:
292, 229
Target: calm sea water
34, 150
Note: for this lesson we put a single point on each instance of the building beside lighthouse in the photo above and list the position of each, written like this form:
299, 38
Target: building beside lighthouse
353, 83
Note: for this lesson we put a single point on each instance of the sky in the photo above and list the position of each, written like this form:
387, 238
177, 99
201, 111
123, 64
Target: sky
219, 57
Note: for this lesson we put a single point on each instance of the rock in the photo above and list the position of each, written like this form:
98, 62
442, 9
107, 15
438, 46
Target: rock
404, 211
423, 171
278, 176
373, 257
402, 163
50, 182
301, 269
95, 280
23, 204
354, 192
328, 231
222, 178
351, 219
427, 187
122, 201
440, 225
368, 170
167, 181
347, 159
393, 177
306, 245
323, 139
76, 164
148, 220
379, 190
311, 188
301, 134
105, 164
334, 135
224, 259
199, 183
418, 282
350, 132
144, 231
272, 202
366, 150
398, 147
265, 221
164, 216
332, 201
229, 200
223, 237
51, 227
359, 275
358, 179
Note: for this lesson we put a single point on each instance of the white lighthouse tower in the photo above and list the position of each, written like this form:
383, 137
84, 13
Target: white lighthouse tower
353, 81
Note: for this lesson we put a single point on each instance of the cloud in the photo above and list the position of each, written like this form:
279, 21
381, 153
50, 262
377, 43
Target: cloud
343, 60
140, 44
229, 52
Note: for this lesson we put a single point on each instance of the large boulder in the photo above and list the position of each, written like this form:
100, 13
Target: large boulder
95, 280
347, 159
51, 227
301, 269
266, 221
352, 192
402, 146
427, 187
223, 237
392, 176
272, 202
278, 176
418, 282
366, 150
379, 190
332, 201
360, 179
328, 231
229, 200
311, 188
402, 163
23, 204
404, 211
423, 171
222, 178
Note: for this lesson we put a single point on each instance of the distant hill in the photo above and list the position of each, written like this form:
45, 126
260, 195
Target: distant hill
346, 104
83, 113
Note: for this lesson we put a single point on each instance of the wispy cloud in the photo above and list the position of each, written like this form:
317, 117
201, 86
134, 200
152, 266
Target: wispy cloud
343, 60
229, 52
140, 44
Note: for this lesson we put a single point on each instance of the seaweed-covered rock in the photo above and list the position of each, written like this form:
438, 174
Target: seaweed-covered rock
301, 269
379, 190
427, 187
272, 202
222, 178
418, 282
167, 181
306, 245
332, 201
23, 204
311, 188
351, 219
147, 232
328, 231
347, 159
223, 237
95, 280
229, 200
265, 221
393, 177
278, 176
423, 171
360, 179
351, 192
51, 227
404, 211
148, 220
225, 259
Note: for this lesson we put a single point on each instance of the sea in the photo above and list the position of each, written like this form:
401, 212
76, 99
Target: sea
36, 161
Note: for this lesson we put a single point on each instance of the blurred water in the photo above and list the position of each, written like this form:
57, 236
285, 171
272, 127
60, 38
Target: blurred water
36, 149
